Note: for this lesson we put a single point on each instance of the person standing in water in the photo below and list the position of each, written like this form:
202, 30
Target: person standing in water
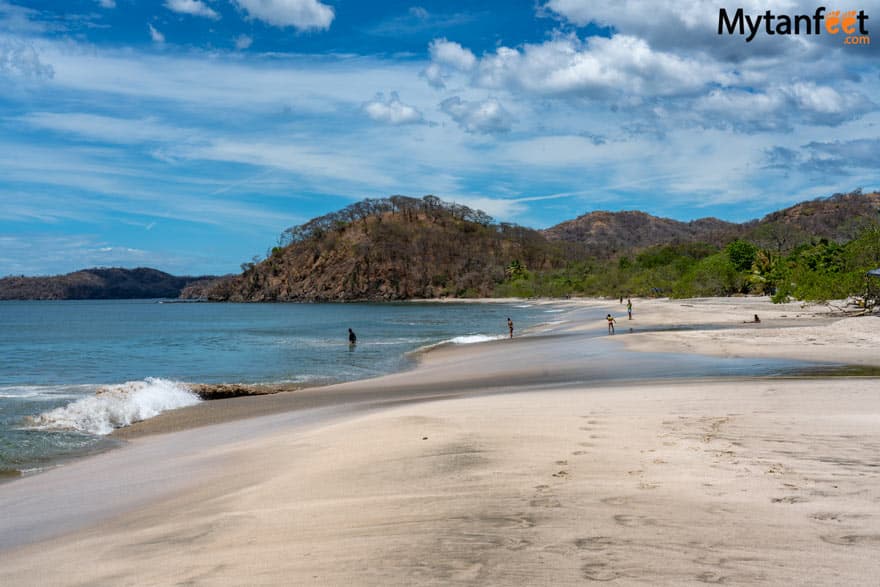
610, 320
510, 326
352, 337
629, 308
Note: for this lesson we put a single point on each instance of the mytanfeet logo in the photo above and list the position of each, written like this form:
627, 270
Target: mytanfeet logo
849, 24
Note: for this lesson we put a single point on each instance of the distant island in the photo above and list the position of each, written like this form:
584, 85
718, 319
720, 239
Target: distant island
98, 284
402, 248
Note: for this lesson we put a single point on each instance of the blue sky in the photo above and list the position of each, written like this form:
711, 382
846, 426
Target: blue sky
187, 134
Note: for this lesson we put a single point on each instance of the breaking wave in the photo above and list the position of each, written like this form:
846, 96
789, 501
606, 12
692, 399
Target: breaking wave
116, 406
474, 338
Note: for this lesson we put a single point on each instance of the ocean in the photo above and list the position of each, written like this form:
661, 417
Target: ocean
73, 371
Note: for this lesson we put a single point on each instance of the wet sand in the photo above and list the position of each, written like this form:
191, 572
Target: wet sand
512, 462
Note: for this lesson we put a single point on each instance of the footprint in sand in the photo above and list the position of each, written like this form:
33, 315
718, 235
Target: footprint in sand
594, 543
835, 516
789, 499
545, 501
599, 572
710, 577
633, 521
852, 539
616, 500
561, 474
544, 498
826, 516
517, 544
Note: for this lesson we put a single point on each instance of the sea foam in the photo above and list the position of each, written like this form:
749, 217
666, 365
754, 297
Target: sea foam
474, 338
116, 406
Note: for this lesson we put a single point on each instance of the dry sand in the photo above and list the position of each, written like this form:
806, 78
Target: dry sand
500, 463
794, 330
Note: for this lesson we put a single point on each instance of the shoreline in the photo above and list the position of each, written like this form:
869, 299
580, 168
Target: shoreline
658, 331
118, 410
508, 462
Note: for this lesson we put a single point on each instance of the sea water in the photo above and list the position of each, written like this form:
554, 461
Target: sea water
73, 371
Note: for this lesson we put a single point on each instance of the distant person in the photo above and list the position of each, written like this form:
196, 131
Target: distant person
510, 326
629, 308
352, 337
610, 320
621, 299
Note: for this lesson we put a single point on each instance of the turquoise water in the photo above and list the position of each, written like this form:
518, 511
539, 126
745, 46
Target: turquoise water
71, 371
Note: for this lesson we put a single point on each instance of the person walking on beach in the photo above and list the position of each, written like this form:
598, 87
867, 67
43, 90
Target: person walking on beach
510, 326
629, 308
610, 319
352, 337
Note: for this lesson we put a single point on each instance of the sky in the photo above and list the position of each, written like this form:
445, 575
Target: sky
186, 135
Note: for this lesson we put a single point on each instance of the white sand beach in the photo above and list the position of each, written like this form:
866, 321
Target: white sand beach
505, 463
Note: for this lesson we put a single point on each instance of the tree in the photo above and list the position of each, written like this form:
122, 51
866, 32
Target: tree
741, 254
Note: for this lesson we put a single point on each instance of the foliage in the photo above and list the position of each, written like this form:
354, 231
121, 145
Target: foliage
401, 247
814, 271
741, 254
825, 270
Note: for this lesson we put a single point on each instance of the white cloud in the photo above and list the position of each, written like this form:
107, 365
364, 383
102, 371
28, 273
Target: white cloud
451, 54
434, 74
107, 128
107, 3
156, 35
686, 26
629, 13
446, 57
300, 14
596, 68
20, 59
781, 107
392, 110
300, 84
319, 162
191, 7
20, 20
419, 12
487, 117
499, 208
242, 42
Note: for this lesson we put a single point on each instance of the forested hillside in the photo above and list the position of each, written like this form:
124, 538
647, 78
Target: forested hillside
816, 250
605, 234
392, 249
